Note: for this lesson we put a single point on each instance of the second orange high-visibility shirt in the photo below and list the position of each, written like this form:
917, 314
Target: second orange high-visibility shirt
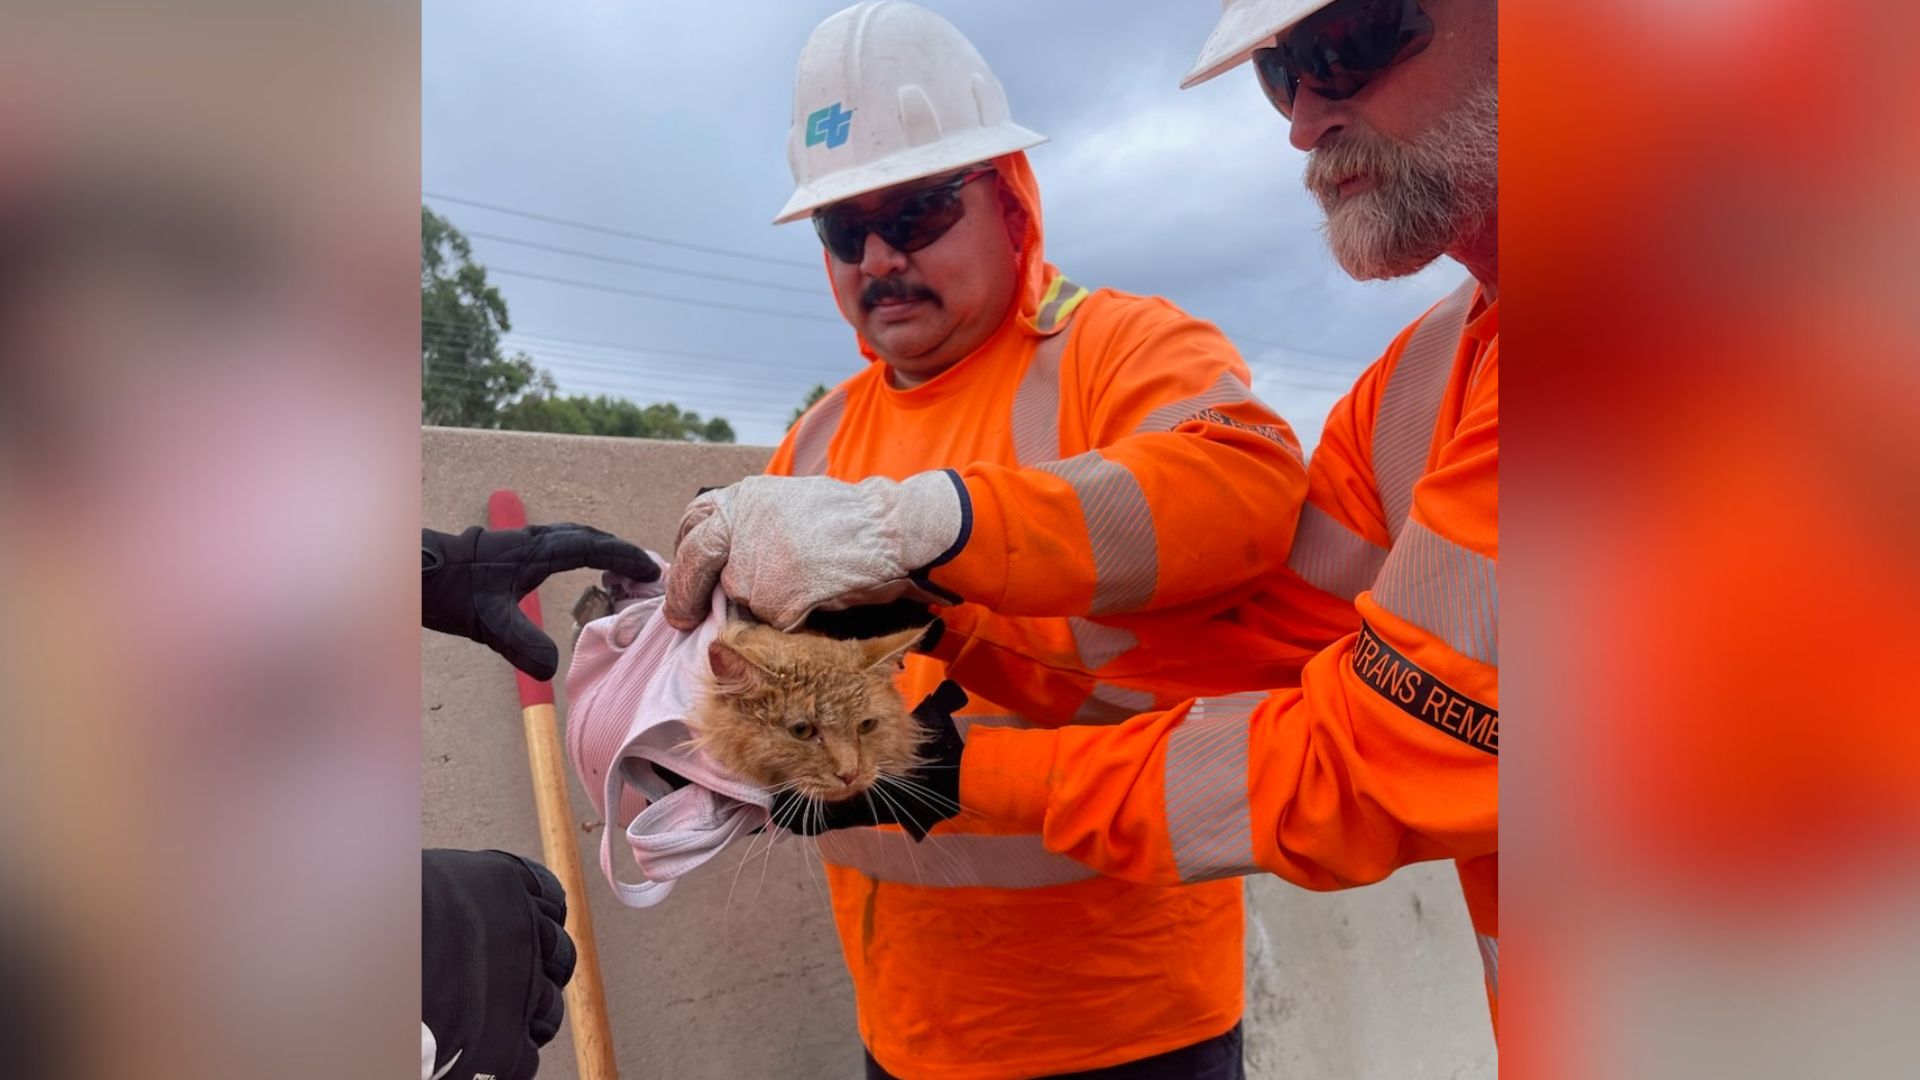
1121, 473
1386, 750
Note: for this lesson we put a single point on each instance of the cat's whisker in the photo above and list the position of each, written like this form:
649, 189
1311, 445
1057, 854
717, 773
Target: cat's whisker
899, 811
925, 795
793, 810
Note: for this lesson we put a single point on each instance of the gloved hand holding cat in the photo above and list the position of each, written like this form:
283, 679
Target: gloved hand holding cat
784, 545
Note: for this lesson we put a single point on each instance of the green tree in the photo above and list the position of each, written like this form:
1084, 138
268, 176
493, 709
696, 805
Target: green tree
603, 415
819, 391
464, 379
466, 382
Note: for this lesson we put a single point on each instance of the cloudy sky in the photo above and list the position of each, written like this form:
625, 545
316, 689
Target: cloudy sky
669, 121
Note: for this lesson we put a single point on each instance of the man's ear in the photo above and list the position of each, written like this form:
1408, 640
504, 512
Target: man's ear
891, 649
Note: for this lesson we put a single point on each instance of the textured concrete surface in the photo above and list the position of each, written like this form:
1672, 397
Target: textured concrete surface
738, 975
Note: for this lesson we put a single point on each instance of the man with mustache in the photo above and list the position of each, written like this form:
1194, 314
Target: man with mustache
1088, 471
1386, 751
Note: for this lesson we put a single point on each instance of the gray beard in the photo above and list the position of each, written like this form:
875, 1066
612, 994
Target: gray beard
1429, 195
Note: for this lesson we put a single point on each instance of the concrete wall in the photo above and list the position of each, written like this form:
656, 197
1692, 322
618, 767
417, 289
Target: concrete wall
738, 975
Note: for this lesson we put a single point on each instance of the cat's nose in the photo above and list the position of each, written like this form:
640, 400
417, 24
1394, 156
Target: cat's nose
849, 777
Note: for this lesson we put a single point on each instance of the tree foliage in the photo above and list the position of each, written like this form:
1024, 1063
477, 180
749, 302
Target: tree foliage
603, 415
465, 381
814, 395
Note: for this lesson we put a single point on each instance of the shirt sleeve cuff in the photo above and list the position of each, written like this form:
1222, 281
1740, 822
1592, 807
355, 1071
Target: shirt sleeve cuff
978, 572
1005, 775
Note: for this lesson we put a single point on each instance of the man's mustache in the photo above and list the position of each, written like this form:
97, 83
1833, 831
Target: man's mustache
893, 288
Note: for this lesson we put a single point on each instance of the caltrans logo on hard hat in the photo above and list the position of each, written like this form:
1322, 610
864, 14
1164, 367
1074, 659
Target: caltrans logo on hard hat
926, 100
829, 125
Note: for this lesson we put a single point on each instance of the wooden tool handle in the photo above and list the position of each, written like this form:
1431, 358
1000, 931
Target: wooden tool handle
559, 841
559, 838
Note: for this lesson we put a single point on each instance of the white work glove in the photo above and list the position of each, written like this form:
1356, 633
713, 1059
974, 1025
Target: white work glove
785, 545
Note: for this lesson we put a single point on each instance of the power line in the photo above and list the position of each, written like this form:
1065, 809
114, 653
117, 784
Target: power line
453, 334
611, 231
618, 346
1355, 362
645, 294
566, 362
590, 386
728, 278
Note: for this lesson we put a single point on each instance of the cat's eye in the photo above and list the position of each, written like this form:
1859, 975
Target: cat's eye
867, 725
800, 730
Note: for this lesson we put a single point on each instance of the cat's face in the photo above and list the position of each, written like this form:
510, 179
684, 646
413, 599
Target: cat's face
807, 712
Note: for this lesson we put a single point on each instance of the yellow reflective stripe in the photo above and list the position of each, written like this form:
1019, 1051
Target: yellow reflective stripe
1110, 704
1450, 591
951, 860
1209, 818
1120, 532
1057, 304
1410, 404
816, 432
1333, 558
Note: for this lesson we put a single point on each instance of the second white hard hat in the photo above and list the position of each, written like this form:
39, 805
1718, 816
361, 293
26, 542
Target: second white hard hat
889, 92
1244, 26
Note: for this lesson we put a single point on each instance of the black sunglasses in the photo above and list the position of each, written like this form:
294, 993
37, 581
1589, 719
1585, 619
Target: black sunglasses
1338, 50
906, 222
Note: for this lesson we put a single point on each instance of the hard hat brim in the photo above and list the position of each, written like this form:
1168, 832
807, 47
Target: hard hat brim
1241, 30
916, 163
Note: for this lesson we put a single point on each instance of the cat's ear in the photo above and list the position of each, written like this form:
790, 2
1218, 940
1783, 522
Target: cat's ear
891, 649
732, 672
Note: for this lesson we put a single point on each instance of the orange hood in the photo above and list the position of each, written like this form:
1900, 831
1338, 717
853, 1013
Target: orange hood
1035, 273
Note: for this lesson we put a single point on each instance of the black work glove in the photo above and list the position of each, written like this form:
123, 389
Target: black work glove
934, 794
494, 957
471, 584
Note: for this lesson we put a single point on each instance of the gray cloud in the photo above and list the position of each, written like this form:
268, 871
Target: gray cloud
671, 120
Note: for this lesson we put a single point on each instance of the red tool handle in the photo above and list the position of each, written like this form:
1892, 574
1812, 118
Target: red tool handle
505, 511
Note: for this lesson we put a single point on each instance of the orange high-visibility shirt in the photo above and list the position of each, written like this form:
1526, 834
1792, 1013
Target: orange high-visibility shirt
1386, 752
1096, 433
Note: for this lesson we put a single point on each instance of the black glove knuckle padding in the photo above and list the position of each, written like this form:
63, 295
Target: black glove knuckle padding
496, 957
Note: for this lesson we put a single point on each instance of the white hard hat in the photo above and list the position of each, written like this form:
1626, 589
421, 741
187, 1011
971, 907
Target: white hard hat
888, 92
1244, 26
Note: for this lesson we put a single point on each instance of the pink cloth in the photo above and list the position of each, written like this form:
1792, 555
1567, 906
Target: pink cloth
631, 685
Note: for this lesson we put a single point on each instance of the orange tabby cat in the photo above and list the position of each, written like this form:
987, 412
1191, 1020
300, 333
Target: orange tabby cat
805, 712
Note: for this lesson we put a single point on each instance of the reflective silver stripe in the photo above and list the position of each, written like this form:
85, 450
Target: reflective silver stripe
1447, 590
1036, 405
1209, 820
951, 860
1065, 296
1333, 558
1126, 557
962, 721
1110, 704
816, 432
1099, 645
1226, 390
1490, 960
1410, 404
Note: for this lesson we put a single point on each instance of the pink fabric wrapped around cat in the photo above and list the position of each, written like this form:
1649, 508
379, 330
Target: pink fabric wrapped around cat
630, 688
